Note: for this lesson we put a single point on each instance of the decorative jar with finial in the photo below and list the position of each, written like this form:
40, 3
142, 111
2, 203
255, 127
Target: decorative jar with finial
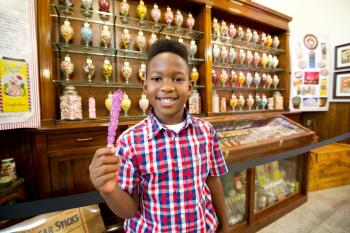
67, 31
107, 70
106, 36
67, 67
126, 104
143, 103
190, 21
192, 49
140, 41
89, 69
194, 76
142, 72
126, 39
86, 33
126, 71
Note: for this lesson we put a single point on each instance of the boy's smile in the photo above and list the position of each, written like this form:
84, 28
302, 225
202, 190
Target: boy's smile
168, 86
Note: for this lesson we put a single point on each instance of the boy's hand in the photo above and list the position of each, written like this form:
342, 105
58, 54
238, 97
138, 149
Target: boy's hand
103, 170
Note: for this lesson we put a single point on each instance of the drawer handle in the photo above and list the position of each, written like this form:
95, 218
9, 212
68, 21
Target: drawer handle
83, 139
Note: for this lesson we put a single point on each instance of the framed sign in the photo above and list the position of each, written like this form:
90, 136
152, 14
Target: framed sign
342, 56
341, 85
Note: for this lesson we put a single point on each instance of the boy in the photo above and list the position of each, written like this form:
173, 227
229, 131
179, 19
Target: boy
167, 166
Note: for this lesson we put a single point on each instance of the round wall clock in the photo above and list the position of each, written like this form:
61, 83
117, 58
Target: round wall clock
310, 41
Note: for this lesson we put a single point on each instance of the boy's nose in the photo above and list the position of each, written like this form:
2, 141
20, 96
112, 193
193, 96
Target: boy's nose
167, 86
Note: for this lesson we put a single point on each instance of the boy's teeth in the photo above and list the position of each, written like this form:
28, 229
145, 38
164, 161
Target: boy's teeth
167, 100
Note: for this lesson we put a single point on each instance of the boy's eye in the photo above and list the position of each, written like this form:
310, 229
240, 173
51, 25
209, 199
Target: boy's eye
156, 78
179, 79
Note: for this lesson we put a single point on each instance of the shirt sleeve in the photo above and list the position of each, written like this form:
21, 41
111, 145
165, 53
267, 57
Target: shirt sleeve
128, 174
217, 161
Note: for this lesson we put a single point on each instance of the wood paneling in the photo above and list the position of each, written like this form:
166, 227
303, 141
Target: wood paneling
331, 123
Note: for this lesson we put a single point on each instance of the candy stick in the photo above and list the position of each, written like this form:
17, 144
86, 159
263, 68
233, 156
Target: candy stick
114, 117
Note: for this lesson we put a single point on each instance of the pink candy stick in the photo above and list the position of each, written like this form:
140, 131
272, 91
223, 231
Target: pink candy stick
114, 117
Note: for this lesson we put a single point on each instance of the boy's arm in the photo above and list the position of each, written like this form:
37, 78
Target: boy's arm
217, 196
121, 202
103, 174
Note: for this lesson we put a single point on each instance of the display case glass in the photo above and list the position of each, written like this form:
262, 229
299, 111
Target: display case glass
276, 181
240, 132
235, 187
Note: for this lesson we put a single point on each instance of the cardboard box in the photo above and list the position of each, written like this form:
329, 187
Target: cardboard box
79, 220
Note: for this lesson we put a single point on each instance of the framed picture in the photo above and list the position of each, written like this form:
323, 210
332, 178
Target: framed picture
342, 56
341, 85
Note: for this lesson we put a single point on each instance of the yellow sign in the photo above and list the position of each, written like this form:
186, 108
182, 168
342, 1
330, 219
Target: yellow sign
14, 82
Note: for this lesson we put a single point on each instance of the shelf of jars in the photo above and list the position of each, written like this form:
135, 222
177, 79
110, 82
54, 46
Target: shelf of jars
247, 45
110, 52
246, 67
87, 32
276, 181
235, 186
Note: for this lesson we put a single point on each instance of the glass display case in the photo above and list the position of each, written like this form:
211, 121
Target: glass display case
276, 181
235, 186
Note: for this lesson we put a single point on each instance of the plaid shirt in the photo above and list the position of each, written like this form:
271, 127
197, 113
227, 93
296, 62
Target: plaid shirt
168, 171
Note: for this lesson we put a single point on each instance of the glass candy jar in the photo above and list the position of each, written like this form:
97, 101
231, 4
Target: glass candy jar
140, 41
168, 16
214, 77
193, 49
241, 102
156, 14
223, 78
141, 11
104, 5
66, 31
67, 67
143, 103
223, 104
190, 21
179, 19
108, 101
241, 79
250, 102
89, 69
233, 78
124, 11
125, 39
70, 104
215, 102
106, 36
233, 102
92, 108
126, 104
142, 72
126, 71
194, 76
86, 34
152, 39
107, 70
194, 102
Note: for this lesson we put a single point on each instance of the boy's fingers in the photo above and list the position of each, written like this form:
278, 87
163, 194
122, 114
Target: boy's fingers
105, 160
100, 181
106, 169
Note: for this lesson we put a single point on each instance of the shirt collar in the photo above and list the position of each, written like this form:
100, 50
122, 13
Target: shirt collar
155, 127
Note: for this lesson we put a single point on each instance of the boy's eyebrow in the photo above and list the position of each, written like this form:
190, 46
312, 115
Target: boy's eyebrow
160, 72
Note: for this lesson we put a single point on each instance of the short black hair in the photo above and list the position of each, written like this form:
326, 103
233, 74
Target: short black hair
166, 45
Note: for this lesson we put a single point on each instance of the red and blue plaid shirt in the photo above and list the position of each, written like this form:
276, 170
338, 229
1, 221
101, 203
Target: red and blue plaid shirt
168, 171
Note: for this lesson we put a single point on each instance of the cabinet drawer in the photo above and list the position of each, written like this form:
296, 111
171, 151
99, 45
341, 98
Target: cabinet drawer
67, 141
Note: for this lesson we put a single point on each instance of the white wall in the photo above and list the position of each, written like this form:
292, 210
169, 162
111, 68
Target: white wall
323, 17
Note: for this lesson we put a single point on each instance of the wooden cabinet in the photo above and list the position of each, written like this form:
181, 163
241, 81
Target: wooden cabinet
63, 149
259, 195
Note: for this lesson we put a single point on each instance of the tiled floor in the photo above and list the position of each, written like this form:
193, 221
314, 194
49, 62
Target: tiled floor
326, 211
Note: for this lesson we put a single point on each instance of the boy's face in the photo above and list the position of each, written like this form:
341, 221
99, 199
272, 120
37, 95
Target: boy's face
168, 86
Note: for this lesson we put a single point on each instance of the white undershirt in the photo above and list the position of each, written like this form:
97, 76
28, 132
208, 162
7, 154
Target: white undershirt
176, 127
